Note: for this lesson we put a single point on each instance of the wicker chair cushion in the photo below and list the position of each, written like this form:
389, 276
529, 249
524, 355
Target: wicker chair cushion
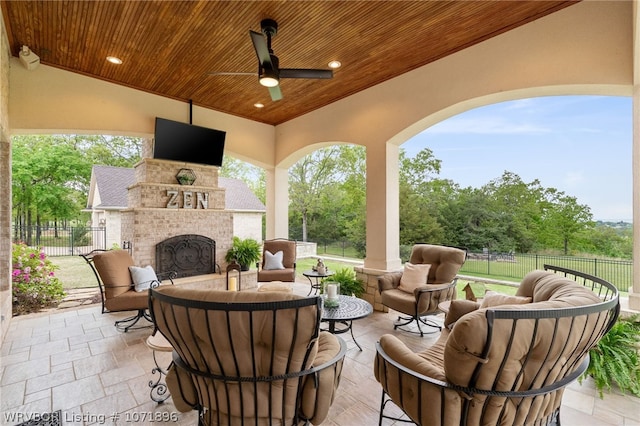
273, 351
445, 261
288, 249
492, 298
113, 268
521, 340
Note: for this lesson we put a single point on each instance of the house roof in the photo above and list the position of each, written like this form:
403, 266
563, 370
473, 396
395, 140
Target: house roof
111, 183
239, 195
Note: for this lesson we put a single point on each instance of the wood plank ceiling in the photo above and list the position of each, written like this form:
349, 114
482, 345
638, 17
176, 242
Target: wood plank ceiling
170, 47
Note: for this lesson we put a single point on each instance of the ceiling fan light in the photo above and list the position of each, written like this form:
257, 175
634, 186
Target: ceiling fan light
268, 81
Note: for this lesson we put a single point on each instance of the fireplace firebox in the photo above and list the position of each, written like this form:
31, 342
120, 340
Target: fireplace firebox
187, 255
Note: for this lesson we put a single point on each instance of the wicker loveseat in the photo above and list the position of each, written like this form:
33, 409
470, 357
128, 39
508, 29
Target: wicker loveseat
503, 364
248, 357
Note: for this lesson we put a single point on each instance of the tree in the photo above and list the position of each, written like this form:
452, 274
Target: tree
253, 176
308, 178
418, 207
566, 218
520, 206
45, 177
51, 174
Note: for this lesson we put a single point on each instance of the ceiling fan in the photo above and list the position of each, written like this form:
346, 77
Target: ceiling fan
269, 72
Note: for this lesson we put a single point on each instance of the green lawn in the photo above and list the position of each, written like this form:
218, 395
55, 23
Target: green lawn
74, 272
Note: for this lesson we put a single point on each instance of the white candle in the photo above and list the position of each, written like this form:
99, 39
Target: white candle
233, 284
332, 290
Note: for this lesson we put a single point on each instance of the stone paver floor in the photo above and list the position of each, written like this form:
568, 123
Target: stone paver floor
74, 360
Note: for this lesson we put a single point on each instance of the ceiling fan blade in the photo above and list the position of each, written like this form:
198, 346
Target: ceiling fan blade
232, 73
261, 48
276, 93
304, 73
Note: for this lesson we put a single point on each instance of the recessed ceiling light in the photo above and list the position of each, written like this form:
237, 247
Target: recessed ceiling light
335, 64
114, 60
258, 105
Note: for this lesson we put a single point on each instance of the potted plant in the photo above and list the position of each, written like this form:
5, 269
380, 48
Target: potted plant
349, 284
244, 251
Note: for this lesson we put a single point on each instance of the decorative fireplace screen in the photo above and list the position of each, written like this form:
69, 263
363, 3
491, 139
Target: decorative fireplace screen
187, 255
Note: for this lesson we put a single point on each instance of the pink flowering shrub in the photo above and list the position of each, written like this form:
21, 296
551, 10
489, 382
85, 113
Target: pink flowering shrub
34, 284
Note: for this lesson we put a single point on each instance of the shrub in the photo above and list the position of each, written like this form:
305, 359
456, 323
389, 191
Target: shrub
615, 359
34, 284
348, 283
79, 236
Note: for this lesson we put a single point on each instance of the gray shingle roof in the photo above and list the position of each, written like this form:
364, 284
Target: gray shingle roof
112, 183
239, 196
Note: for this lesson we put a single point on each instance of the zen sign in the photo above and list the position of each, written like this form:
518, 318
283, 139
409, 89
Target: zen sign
187, 200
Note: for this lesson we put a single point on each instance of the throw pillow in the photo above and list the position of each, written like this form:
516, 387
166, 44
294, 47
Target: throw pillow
491, 299
142, 277
413, 276
457, 309
273, 261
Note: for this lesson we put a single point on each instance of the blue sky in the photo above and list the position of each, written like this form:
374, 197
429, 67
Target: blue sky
580, 145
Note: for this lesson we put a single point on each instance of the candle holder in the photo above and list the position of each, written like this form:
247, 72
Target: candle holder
331, 294
233, 281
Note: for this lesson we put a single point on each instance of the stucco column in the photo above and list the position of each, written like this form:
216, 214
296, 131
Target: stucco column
277, 200
634, 294
383, 234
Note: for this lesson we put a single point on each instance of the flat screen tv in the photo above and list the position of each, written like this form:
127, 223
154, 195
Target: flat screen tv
188, 143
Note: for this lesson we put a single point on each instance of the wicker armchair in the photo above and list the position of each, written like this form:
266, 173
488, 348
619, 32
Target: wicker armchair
504, 364
248, 357
117, 287
274, 270
438, 285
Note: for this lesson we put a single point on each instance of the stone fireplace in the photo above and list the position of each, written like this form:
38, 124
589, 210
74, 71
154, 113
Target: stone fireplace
160, 208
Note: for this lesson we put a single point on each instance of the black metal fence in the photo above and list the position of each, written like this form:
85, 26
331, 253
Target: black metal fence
61, 241
510, 266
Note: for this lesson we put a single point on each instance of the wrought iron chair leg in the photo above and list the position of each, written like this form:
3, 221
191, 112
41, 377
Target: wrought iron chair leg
429, 323
125, 324
383, 404
381, 409
418, 320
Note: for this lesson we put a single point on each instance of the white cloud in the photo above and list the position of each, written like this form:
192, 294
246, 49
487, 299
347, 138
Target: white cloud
486, 126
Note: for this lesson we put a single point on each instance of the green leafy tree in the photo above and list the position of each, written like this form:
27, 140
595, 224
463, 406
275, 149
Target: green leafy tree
418, 207
51, 174
518, 207
46, 173
565, 219
308, 178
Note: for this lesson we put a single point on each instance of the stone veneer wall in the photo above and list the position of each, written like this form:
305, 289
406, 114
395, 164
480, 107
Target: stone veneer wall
149, 221
371, 294
5, 186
